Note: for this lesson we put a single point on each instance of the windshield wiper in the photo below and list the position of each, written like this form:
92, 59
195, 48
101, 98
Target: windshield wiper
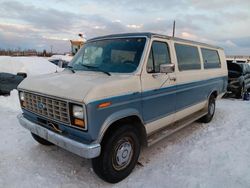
96, 68
70, 68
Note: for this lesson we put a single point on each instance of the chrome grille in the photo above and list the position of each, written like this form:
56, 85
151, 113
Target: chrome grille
47, 107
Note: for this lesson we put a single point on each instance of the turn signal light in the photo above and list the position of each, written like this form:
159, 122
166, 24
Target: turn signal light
23, 104
104, 105
79, 123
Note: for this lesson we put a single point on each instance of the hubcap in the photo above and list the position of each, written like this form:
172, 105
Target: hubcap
123, 154
211, 108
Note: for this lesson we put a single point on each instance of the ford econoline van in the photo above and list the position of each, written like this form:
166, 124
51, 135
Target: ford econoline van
122, 92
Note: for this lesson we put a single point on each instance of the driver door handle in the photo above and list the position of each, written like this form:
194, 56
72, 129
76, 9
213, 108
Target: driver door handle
156, 75
173, 78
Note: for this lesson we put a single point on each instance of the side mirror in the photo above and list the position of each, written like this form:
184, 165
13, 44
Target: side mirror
22, 74
167, 68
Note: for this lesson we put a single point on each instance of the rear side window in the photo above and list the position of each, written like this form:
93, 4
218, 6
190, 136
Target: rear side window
188, 57
211, 58
159, 54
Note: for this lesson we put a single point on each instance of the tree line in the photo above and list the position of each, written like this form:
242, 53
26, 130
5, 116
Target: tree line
27, 52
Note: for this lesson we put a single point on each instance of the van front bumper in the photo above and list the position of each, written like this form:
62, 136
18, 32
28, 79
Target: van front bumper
84, 150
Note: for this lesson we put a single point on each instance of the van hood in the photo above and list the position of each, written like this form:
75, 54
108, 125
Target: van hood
68, 85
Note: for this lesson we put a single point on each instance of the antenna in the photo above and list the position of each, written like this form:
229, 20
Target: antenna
174, 29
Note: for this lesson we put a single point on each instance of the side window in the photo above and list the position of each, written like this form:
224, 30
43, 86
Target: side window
188, 57
159, 54
210, 58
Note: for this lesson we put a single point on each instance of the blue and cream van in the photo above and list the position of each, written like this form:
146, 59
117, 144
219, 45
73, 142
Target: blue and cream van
120, 93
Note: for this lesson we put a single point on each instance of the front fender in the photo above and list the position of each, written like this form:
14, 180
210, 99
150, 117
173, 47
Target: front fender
115, 117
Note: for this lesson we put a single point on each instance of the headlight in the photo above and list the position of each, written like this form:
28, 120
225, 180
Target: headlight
78, 112
77, 116
22, 99
21, 95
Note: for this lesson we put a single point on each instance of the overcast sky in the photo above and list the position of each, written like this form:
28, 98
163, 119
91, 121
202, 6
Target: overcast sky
40, 24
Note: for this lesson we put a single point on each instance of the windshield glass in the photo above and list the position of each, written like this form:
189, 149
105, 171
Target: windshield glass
110, 55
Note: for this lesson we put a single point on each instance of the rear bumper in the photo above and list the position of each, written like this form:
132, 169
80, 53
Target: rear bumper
84, 150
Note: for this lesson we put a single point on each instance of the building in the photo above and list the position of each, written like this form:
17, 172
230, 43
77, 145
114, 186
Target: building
76, 45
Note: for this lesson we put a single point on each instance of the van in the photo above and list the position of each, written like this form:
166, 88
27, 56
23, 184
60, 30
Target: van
123, 92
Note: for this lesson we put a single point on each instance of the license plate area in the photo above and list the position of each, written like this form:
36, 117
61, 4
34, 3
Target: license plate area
52, 125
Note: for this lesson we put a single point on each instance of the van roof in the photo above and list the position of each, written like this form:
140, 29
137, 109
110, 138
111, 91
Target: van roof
151, 35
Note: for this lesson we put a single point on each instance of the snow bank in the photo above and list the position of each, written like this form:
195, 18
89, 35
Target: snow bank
29, 65
62, 57
10, 103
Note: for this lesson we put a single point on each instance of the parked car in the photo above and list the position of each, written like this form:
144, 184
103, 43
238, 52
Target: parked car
238, 78
15, 69
120, 93
9, 81
59, 62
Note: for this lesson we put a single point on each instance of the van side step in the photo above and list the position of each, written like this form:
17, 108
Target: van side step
170, 129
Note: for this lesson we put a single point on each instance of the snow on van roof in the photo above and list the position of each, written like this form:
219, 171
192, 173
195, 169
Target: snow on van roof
151, 35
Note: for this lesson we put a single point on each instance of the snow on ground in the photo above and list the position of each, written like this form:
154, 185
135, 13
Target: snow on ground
10, 103
199, 156
30, 65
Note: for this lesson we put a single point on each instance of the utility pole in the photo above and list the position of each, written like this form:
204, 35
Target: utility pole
174, 29
51, 49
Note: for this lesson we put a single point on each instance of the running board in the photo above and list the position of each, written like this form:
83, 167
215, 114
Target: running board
170, 129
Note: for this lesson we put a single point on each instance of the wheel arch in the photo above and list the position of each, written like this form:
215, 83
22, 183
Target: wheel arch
214, 93
114, 121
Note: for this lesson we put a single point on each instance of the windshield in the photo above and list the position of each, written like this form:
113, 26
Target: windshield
110, 55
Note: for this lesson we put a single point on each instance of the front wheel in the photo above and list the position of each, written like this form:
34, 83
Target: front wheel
211, 109
120, 152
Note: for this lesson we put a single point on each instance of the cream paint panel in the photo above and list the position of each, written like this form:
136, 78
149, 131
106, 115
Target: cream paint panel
156, 80
183, 113
159, 124
82, 86
163, 122
120, 85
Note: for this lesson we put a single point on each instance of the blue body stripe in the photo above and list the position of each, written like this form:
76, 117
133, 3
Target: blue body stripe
158, 103
151, 105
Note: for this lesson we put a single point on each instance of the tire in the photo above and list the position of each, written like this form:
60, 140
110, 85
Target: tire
120, 153
211, 110
41, 140
239, 94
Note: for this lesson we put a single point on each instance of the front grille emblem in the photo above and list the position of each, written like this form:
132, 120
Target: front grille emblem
41, 106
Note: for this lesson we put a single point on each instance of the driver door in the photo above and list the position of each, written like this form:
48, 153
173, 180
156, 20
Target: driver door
158, 89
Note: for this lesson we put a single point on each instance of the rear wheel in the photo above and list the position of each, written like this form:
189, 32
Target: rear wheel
120, 152
41, 140
240, 93
211, 109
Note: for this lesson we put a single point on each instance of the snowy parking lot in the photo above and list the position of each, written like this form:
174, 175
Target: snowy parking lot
199, 156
